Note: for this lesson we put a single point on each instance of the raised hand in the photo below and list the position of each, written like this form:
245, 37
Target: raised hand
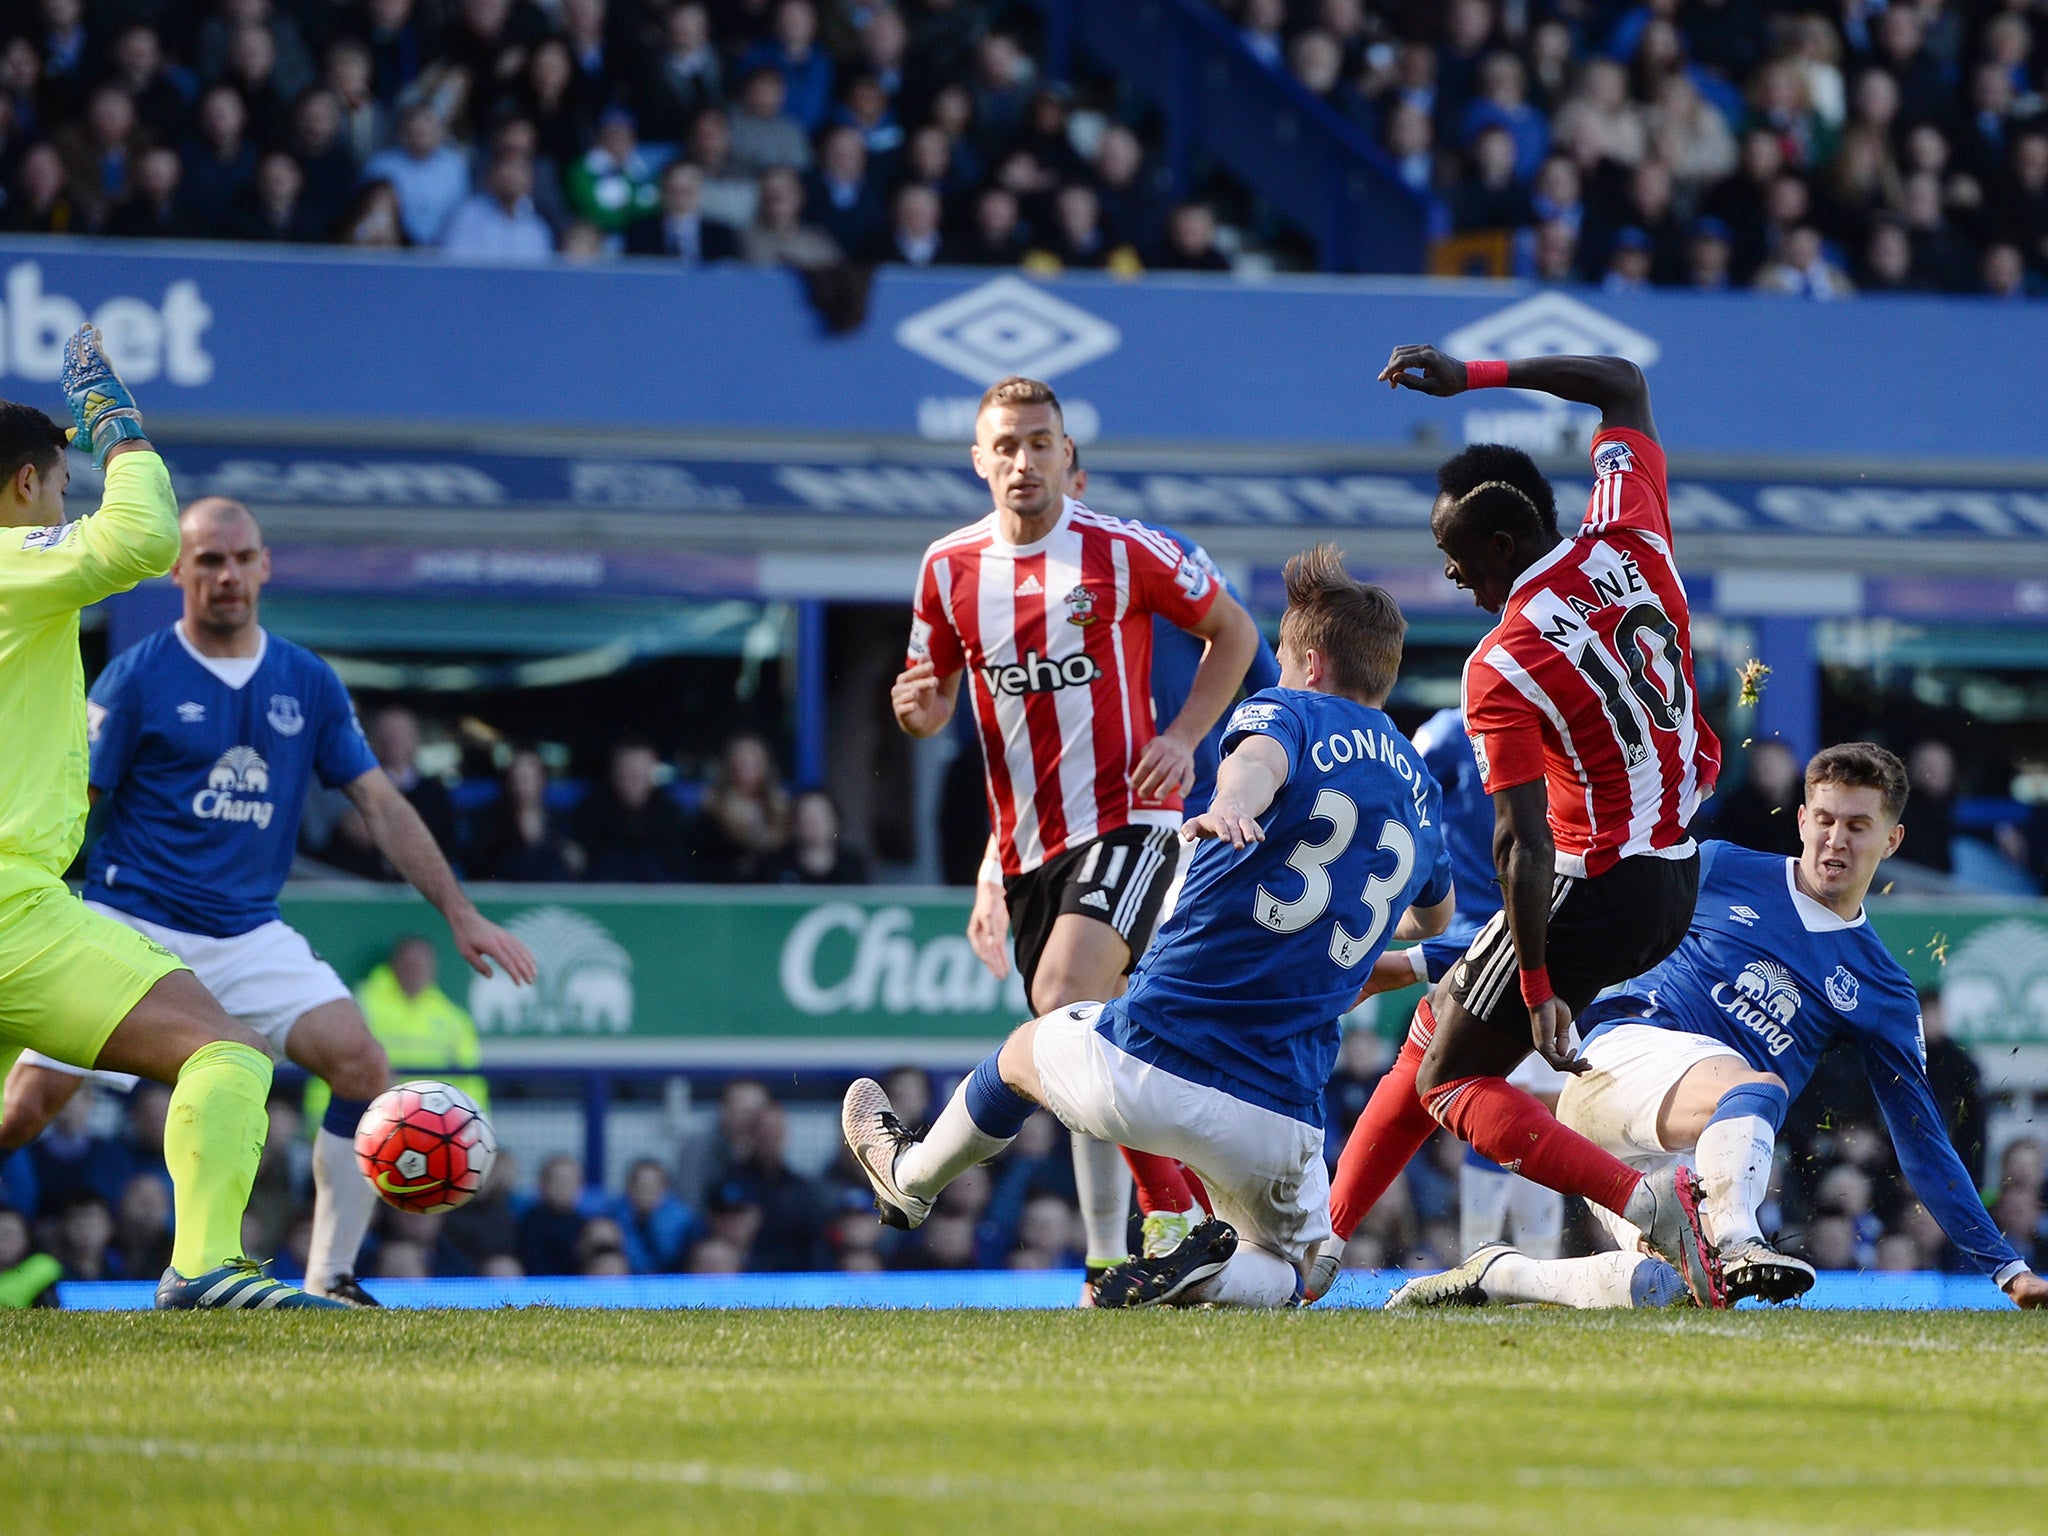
1425, 370
100, 403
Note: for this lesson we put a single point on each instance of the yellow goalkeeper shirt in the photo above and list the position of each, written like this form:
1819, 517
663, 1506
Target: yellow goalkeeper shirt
46, 576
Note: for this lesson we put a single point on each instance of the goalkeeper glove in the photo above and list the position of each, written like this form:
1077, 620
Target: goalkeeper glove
100, 403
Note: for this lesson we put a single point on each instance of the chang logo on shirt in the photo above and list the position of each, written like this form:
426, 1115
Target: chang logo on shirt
1764, 1001
240, 771
1040, 674
284, 715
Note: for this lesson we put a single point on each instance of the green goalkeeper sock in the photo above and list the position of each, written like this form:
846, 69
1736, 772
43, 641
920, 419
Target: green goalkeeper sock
212, 1143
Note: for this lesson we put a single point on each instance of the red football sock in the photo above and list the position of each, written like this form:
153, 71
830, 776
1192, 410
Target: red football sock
1160, 1184
1509, 1126
1197, 1189
1387, 1136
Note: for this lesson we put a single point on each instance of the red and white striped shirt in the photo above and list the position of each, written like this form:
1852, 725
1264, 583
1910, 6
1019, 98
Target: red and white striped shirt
1056, 638
1587, 681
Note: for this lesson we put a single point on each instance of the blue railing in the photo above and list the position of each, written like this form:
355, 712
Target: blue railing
1322, 171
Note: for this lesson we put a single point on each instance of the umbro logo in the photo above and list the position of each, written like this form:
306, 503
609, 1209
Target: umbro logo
1550, 324
1029, 587
1746, 916
1008, 326
191, 713
1096, 899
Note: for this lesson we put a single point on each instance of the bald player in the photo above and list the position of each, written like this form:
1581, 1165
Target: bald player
205, 738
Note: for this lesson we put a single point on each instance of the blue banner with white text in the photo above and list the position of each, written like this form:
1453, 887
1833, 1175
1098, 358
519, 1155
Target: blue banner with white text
421, 342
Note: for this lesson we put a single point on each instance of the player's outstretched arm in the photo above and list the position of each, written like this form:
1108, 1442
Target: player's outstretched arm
922, 700
1526, 857
400, 835
1167, 764
1613, 384
1246, 782
1934, 1172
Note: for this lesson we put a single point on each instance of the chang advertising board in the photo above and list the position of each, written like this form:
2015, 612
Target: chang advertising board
695, 965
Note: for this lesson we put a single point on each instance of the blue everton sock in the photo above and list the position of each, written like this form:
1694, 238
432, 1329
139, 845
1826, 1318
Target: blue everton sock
996, 1108
1766, 1101
343, 1115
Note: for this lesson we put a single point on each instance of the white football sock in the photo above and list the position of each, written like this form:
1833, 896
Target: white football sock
1482, 1205
1252, 1278
953, 1145
1536, 1217
343, 1203
1102, 1180
1734, 1164
1594, 1283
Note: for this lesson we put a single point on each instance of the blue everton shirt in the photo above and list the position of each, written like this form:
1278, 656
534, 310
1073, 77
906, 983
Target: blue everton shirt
1468, 816
202, 782
1267, 950
1176, 654
1777, 977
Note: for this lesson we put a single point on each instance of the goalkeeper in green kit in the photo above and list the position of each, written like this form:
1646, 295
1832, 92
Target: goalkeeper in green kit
75, 985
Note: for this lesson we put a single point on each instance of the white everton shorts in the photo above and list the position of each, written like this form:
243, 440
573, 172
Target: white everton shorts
269, 978
1264, 1170
1634, 1068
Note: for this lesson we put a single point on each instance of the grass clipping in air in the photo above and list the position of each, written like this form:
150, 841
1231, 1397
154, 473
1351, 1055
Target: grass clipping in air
567, 1422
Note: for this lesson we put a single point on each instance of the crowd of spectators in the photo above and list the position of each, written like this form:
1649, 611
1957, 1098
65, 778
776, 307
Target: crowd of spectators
639, 822
1791, 146
799, 132
1786, 145
727, 1198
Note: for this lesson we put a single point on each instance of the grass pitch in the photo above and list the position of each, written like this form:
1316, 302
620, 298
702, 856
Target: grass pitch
984, 1423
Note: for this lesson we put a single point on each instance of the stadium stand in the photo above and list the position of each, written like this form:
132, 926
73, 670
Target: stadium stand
1798, 149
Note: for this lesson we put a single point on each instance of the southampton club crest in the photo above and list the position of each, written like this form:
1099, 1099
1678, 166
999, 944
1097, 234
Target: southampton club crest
1081, 607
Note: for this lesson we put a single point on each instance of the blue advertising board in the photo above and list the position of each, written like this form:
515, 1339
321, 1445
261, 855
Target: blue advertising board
929, 486
220, 333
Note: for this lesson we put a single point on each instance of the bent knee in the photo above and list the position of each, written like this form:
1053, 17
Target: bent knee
361, 1070
1018, 1062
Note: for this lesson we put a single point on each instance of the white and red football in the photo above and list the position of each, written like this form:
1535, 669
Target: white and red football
425, 1146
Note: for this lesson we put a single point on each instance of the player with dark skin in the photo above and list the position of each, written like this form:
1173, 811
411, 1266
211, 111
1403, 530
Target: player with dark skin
1487, 565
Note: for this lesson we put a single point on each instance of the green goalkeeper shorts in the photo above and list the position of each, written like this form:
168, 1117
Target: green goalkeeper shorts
68, 975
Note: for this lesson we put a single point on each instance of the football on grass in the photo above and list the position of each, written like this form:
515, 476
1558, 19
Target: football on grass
425, 1146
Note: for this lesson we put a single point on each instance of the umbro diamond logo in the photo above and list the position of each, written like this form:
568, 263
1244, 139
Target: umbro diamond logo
1552, 324
191, 713
1096, 899
1008, 326
1029, 587
1746, 916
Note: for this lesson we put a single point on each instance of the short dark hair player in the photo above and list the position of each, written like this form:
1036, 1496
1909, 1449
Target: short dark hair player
1584, 720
